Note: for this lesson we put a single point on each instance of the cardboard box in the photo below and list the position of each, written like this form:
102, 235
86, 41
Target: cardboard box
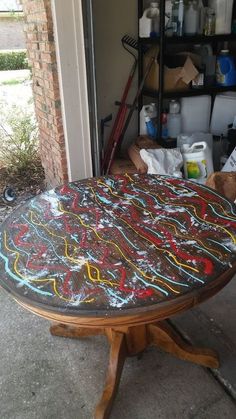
224, 183
122, 166
177, 78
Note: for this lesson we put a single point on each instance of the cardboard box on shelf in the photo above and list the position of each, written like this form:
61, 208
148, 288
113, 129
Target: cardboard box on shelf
178, 77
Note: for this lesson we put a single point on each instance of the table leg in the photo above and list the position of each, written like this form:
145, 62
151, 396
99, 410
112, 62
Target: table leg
66, 331
165, 336
118, 353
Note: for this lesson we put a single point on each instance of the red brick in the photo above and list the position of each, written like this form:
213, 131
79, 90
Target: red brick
41, 52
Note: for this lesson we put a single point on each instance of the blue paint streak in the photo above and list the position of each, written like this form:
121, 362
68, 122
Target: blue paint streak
151, 285
47, 240
103, 200
220, 244
206, 251
135, 247
116, 296
91, 257
20, 280
154, 232
146, 193
182, 269
167, 279
221, 216
219, 196
111, 273
135, 198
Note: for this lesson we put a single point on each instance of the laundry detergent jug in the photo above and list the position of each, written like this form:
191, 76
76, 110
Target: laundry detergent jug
225, 69
197, 160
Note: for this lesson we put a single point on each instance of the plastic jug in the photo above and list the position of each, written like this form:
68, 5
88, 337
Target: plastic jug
149, 24
195, 137
174, 120
197, 160
191, 18
225, 69
150, 111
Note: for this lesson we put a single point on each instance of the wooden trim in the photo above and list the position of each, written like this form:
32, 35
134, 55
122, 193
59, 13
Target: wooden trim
138, 316
72, 74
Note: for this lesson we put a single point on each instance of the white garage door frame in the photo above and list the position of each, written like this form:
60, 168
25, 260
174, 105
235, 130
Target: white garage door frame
71, 60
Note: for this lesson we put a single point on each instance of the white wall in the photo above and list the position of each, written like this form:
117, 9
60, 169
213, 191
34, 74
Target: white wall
112, 20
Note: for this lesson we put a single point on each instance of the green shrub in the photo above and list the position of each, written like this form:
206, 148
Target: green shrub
18, 140
13, 60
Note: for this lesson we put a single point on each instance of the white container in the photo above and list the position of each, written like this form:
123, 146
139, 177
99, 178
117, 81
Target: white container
174, 106
149, 24
223, 10
149, 110
230, 165
191, 19
196, 137
197, 160
195, 113
224, 111
174, 124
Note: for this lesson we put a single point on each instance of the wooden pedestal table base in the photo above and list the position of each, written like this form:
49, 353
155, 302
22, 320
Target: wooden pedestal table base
130, 341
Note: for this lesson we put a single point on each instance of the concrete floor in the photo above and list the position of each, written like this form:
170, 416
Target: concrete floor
45, 377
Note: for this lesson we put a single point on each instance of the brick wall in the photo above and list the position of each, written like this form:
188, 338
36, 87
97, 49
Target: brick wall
42, 57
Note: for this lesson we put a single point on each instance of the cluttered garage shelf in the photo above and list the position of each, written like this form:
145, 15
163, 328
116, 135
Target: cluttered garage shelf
186, 95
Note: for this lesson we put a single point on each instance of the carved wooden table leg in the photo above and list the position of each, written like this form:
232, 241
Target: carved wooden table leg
118, 353
130, 341
66, 331
164, 336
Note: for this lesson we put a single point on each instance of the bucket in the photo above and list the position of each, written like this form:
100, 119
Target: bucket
198, 163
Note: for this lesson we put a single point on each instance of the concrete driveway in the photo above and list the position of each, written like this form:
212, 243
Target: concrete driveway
45, 377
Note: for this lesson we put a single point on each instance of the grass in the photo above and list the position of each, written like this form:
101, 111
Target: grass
12, 82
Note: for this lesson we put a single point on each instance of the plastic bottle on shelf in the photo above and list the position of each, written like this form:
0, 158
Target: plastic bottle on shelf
175, 16
210, 22
225, 69
164, 117
149, 24
149, 110
174, 123
151, 129
191, 18
202, 11
180, 30
223, 10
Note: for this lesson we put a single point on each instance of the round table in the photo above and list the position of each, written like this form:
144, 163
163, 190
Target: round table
119, 255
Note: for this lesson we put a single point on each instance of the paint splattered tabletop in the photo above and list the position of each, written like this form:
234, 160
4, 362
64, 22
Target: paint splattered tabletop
116, 243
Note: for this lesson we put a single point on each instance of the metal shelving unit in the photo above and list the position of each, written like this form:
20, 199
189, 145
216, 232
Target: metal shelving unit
211, 90
163, 41
197, 39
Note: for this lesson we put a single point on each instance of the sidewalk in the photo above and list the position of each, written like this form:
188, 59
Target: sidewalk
19, 75
48, 377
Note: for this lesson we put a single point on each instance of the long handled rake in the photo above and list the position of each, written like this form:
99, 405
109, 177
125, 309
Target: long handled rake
120, 135
130, 45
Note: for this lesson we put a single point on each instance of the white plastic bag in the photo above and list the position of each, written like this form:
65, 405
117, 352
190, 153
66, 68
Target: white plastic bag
163, 161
